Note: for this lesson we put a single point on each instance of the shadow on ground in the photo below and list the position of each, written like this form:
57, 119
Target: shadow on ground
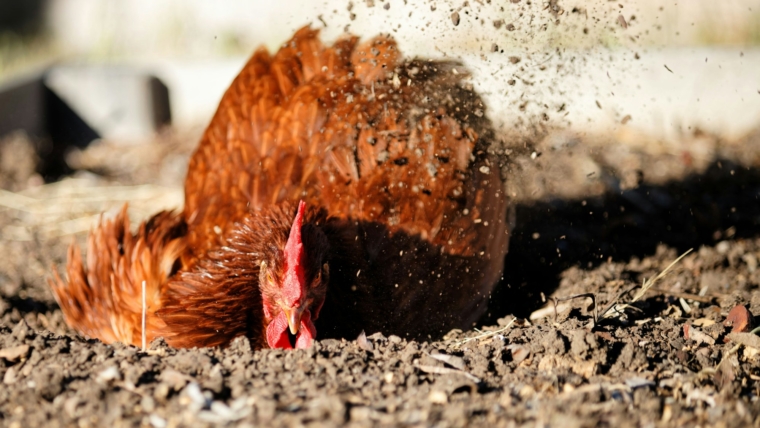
553, 236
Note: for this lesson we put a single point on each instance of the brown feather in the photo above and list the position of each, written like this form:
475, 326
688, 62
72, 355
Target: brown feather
406, 204
102, 297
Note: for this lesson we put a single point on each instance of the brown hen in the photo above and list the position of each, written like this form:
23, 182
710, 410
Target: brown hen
337, 189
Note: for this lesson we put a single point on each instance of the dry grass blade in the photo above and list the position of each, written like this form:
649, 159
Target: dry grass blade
446, 370
649, 283
73, 206
57, 198
608, 312
484, 335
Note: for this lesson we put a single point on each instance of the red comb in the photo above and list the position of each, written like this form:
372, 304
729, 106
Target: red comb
294, 282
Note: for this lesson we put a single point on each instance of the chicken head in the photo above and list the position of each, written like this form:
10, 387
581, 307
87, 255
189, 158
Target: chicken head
293, 284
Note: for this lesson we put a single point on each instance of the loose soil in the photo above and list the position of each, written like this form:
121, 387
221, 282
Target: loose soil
595, 219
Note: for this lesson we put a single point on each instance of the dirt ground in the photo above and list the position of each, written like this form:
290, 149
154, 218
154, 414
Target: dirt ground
597, 217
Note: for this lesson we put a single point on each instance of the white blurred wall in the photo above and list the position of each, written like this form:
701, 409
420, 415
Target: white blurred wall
577, 65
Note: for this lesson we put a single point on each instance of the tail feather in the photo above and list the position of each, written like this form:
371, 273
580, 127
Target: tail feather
102, 296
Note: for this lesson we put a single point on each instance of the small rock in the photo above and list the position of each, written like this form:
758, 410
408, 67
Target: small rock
554, 343
360, 414
519, 352
193, 397
749, 258
70, 406
438, 397
109, 374
241, 344
215, 380
48, 382
639, 382
746, 339
157, 421
220, 413
10, 376
693, 333
739, 319
454, 382
15, 353
326, 407
22, 331
266, 409
376, 336
331, 344
159, 344
161, 392
173, 379
409, 353
148, 403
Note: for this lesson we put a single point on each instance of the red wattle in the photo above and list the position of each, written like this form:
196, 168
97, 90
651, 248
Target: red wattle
307, 332
277, 332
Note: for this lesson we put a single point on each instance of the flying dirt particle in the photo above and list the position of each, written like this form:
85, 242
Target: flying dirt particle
514, 59
455, 18
498, 23
626, 118
666, 68
621, 21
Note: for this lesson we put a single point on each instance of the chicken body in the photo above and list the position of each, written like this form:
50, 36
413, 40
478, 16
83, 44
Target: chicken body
402, 214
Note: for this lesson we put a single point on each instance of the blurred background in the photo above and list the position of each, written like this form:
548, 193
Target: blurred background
584, 49
117, 93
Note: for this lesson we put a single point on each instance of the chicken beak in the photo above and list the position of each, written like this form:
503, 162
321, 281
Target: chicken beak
294, 319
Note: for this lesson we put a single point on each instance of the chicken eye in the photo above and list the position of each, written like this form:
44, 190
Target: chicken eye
323, 276
265, 270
